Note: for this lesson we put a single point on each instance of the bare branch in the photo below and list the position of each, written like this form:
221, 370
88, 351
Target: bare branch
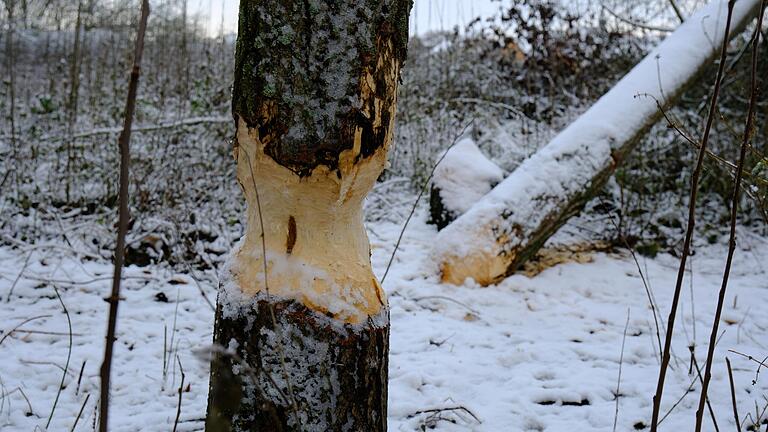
734, 214
691, 223
124, 143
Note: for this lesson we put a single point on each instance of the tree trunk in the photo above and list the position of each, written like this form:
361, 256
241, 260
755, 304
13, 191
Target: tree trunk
505, 228
303, 335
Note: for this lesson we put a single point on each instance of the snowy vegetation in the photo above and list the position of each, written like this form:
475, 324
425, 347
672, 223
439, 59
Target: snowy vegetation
571, 343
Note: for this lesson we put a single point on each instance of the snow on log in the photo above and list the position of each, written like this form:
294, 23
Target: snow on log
509, 224
463, 177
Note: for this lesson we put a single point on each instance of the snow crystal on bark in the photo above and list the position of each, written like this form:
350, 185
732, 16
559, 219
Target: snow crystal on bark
282, 356
298, 70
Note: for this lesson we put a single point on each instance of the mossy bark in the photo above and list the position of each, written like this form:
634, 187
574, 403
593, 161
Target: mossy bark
298, 70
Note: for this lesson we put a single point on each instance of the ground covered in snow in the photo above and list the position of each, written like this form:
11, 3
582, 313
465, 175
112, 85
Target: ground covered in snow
539, 353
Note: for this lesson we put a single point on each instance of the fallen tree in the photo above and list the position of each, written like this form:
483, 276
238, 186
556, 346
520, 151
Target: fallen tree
509, 224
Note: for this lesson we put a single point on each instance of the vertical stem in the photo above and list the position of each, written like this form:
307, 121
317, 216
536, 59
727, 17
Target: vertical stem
74, 81
184, 59
691, 224
124, 142
734, 213
733, 395
11, 65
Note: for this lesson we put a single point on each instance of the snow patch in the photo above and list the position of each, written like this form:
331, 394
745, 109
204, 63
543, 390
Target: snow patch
464, 176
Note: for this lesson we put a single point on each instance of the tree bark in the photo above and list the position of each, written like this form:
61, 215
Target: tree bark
302, 324
506, 228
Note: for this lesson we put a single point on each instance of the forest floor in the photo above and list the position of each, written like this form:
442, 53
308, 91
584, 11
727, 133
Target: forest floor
540, 353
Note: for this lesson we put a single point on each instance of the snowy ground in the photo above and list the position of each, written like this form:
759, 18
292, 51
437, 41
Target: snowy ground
538, 354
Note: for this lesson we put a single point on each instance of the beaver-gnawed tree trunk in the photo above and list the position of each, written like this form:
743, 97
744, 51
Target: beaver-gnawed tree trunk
302, 324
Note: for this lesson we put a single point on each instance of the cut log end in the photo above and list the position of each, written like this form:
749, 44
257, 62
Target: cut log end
484, 268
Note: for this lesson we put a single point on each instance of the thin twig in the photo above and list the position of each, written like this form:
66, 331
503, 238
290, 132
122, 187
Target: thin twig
80, 377
730, 166
3, 395
647, 287
701, 380
691, 223
199, 286
124, 142
679, 14
635, 23
733, 394
79, 413
181, 391
29, 404
680, 399
10, 332
417, 299
85, 282
173, 336
11, 65
734, 214
69, 355
618, 380
421, 193
438, 410
148, 128
760, 364
21, 273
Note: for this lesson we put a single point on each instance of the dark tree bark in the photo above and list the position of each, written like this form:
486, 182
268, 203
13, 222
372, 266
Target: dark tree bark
302, 324
338, 373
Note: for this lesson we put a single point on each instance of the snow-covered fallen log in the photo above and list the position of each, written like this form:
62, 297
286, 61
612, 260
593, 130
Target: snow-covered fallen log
509, 224
461, 179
